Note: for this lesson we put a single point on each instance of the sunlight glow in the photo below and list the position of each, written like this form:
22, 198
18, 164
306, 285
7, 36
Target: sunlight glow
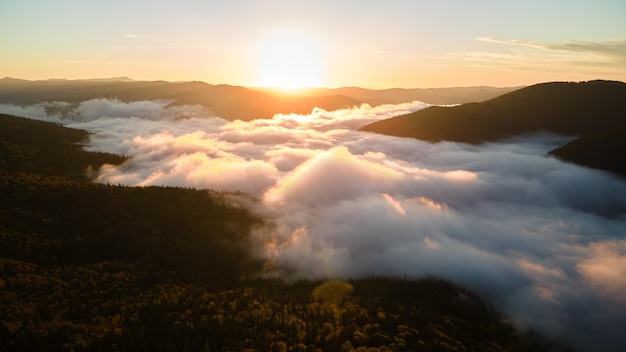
290, 60
395, 204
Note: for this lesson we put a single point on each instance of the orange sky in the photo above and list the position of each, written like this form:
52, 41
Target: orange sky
371, 44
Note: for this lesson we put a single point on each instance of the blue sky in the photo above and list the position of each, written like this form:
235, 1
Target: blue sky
376, 44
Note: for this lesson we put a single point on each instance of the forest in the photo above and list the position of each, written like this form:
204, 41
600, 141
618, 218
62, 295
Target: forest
602, 150
101, 267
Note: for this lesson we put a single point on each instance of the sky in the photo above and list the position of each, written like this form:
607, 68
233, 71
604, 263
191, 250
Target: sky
372, 44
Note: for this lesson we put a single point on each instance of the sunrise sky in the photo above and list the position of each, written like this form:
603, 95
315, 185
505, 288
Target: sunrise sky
373, 44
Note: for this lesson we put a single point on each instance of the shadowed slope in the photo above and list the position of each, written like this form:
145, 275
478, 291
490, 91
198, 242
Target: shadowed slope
603, 150
561, 108
51, 214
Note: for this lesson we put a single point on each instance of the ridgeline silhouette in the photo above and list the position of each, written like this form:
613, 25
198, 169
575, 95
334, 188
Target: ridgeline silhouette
603, 150
573, 109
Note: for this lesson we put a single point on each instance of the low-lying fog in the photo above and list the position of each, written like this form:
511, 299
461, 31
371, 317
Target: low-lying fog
544, 240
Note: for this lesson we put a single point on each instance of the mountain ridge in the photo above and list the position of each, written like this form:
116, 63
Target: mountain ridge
229, 101
565, 108
436, 96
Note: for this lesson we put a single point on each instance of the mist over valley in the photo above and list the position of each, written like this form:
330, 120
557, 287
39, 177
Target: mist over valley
540, 238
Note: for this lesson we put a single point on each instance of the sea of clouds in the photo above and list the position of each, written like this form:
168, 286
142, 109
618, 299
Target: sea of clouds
544, 240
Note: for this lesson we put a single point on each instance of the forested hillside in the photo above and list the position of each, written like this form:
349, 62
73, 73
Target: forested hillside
593, 110
603, 150
557, 107
92, 267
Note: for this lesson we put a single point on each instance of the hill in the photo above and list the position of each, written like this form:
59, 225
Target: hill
603, 150
52, 214
232, 102
561, 108
226, 101
89, 267
593, 110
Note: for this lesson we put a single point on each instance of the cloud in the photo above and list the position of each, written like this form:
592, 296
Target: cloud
615, 47
601, 52
38, 112
542, 239
605, 268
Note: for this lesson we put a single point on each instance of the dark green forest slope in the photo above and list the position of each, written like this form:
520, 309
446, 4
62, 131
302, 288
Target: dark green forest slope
603, 150
575, 109
562, 108
91, 267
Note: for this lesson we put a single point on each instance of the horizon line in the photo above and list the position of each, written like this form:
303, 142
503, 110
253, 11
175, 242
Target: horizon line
288, 90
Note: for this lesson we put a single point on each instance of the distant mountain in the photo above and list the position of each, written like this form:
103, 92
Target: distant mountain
435, 96
591, 109
123, 79
226, 101
231, 102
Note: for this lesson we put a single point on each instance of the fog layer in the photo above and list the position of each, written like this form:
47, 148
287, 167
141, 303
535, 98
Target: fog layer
542, 239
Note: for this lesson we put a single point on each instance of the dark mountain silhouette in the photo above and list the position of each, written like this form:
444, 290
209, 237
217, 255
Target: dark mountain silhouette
595, 110
562, 108
603, 150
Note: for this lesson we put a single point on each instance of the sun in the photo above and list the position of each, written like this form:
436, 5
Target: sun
290, 59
